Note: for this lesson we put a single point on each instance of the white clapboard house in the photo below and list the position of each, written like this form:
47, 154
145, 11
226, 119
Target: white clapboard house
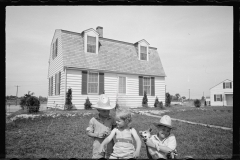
90, 65
222, 94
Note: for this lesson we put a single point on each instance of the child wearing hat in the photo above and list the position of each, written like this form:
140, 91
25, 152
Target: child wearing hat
100, 127
125, 136
164, 142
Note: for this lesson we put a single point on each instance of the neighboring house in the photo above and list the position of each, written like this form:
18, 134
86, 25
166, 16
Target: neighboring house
208, 101
222, 94
90, 65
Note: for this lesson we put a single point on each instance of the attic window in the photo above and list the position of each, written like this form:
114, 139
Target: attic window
227, 85
143, 53
91, 44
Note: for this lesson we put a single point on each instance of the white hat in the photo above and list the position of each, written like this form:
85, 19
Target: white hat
165, 121
103, 103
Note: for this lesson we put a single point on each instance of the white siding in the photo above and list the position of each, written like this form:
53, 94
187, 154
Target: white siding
218, 89
130, 99
55, 66
160, 89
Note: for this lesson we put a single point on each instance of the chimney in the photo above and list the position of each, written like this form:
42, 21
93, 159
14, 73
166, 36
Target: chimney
100, 31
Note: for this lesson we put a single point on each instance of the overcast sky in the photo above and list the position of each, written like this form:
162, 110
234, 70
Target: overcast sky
195, 43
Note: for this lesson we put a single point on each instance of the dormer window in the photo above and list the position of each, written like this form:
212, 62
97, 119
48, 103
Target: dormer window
143, 47
91, 44
91, 41
143, 53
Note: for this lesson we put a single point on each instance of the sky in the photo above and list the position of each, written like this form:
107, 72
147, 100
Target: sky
195, 43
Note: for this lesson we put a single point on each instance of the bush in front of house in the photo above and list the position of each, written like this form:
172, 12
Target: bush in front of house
87, 104
197, 103
68, 104
145, 100
33, 104
24, 99
160, 105
167, 100
117, 105
156, 102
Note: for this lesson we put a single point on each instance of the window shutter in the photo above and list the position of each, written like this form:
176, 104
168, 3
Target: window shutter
230, 84
55, 84
56, 46
214, 97
51, 86
152, 86
101, 83
59, 83
84, 82
223, 85
221, 97
140, 86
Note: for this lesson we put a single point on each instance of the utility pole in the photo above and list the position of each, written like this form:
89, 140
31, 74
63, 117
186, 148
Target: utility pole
17, 94
189, 94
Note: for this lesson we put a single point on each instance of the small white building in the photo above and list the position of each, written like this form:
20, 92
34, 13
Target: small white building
208, 100
222, 94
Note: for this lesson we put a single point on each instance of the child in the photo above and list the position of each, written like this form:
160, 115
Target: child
101, 126
164, 142
123, 148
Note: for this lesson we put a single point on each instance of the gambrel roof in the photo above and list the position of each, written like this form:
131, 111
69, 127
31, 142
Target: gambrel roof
113, 56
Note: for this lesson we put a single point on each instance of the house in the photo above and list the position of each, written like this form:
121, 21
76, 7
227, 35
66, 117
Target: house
208, 100
90, 65
222, 94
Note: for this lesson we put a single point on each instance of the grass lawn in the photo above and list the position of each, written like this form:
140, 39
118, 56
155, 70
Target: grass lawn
66, 138
220, 116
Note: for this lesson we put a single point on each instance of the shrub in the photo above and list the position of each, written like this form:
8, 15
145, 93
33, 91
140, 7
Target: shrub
156, 102
145, 100
33, 104
117, 105
87, 104
160, 105
68, 103
23, 100
167, 100
197, 103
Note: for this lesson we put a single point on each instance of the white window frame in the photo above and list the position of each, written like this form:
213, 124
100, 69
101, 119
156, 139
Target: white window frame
91, 82
92, 33
149, 86
119, 84
218, 97
227, 85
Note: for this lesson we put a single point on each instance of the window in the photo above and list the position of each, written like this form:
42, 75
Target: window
55, 49
146, 85
92, 82
91, 44
122, 85
143, 53
227, 84
218, 97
